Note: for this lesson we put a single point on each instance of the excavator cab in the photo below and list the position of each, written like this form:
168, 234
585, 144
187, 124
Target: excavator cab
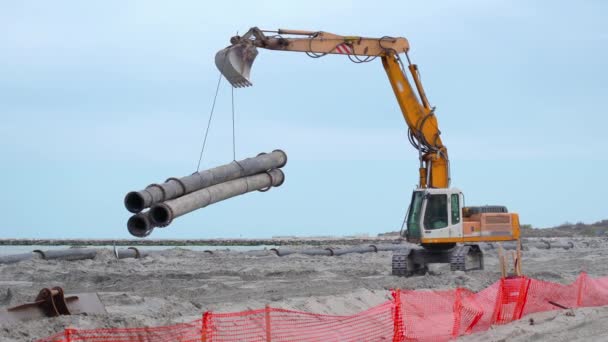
435, 216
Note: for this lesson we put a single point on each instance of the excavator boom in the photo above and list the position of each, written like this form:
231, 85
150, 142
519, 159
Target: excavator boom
236, 60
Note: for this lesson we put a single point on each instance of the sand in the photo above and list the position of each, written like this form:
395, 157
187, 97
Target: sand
178, 285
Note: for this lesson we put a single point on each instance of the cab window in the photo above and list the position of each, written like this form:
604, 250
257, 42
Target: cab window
413, 217
436, 212
455, 209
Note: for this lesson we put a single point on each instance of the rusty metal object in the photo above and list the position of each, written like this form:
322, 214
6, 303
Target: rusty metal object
52, 303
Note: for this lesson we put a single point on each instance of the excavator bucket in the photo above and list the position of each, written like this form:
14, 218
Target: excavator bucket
235, 61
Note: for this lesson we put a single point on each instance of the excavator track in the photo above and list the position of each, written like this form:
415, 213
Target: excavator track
400, 263
408, 262
413, 261
466, 258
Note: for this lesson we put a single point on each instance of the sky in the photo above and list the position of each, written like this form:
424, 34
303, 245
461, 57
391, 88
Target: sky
99, 98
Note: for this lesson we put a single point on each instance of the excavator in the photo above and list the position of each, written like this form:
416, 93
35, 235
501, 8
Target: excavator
439, 228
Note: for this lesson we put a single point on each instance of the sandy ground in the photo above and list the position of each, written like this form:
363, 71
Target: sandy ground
177, 285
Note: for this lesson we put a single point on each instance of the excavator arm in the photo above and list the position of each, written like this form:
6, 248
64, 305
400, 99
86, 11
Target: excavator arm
236, 60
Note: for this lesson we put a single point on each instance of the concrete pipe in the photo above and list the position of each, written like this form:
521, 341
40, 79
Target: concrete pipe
542, 245
130, 252
358, 249
312, 251
283, 252
162, 214
11, 259
258, 253
391, 247
545, 244
139, 225
137, 201
317, 251
559, 244
68, 254
338, 251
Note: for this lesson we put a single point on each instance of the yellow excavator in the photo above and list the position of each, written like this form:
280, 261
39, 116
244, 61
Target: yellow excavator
437, 221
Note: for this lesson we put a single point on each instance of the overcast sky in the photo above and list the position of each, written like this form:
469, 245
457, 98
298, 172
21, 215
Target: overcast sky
98, 98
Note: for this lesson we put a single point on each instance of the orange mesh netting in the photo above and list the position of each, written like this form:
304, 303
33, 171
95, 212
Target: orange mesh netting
409, 316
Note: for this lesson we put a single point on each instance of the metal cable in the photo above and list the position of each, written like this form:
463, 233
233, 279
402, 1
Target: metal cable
233, 128
217, 89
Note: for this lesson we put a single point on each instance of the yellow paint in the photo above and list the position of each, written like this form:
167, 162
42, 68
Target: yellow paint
421, 121
515, 225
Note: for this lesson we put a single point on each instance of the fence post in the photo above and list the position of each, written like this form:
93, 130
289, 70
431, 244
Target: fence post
522, 298
68, 334
267, 319
498, 303
582, 279
398, 324
205, 326
457, 314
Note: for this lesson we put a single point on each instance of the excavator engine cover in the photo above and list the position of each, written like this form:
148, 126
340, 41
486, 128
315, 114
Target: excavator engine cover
235, 61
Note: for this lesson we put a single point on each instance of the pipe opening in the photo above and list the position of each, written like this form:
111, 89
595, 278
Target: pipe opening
160, 215
284, 158
134, 202
138, 226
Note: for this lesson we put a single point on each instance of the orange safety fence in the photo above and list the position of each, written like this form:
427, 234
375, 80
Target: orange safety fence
411, 315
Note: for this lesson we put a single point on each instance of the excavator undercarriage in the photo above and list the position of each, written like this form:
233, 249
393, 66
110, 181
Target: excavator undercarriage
414, 261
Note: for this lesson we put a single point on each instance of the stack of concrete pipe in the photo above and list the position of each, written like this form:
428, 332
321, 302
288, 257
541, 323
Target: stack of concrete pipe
178, 196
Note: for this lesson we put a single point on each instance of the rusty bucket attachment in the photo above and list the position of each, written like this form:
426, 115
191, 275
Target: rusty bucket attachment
235, 61
52, 303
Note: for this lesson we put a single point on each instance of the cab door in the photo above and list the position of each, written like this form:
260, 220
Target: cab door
455, 213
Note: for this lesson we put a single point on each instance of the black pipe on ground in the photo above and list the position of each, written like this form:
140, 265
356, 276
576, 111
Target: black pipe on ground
338, 251
391, 247
544, 244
